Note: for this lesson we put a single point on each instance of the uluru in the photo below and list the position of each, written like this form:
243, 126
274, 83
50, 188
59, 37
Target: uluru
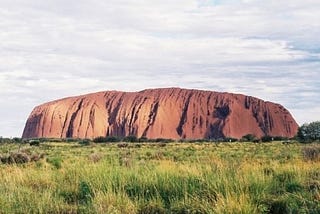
173, 113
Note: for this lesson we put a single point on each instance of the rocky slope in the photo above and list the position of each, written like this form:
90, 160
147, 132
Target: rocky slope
160, 113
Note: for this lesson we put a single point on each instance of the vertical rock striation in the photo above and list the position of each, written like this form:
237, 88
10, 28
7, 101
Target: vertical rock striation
160, 113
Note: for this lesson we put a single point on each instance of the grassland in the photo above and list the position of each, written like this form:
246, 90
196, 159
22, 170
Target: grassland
161, 178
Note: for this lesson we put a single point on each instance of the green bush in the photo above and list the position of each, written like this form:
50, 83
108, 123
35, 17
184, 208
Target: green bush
85, 193
110, 139
55, 161
131, 139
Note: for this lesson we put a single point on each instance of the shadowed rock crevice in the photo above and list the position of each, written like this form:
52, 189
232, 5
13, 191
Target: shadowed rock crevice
63, 126
247, 102
71, 123
114, 112
183, 118
152, 117
221, 112
137, 105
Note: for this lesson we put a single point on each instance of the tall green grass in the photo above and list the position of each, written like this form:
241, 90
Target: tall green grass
156, 178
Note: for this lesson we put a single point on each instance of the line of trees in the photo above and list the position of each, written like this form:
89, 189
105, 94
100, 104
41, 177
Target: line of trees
131, 138
308, 132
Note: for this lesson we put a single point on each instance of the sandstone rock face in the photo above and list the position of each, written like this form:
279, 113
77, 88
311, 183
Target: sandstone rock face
160, 113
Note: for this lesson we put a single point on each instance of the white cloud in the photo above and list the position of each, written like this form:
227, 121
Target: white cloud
51, 49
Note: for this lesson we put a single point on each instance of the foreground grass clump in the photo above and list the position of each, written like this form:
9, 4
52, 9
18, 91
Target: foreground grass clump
160, 178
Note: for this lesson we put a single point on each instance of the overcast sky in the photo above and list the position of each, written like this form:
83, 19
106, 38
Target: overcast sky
56, 48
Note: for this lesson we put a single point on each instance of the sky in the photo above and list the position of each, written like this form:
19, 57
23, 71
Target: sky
55, 48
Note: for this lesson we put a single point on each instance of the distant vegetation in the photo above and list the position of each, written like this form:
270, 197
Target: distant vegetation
307, 133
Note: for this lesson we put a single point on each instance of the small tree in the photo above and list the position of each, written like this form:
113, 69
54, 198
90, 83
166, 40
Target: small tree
309, 132
248, 137
267, 138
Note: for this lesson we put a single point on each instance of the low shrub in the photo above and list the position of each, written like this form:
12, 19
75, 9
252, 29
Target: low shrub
278, 206
248, 138
17, 140
268, 171
85, 142
125, 161
161, 140
152, 208
311, 153
69, 197
16, 158
131, 139
34, 142
230, 139
143, 139
55, 161
283, 177
201, 140
137, 146
95, 157
99, 139
313, 186
70, 140
285, 204
267, 138
185, 208
122, 145
20, 158
3, 159
111, 139
162, 144
35, 157
293, 186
